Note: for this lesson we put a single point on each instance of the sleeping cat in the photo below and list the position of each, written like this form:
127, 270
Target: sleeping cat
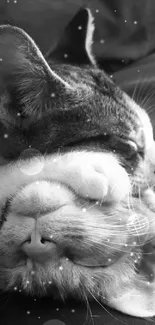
77, 173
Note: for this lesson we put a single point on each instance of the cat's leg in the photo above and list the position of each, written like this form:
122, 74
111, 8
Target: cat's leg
148, 198
138, 301
98, 176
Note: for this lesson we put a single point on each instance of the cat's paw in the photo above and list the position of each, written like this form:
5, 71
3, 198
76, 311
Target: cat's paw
149, 198
98, 176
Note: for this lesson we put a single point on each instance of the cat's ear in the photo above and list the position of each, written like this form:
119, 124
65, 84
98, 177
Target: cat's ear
26, 79
75, 45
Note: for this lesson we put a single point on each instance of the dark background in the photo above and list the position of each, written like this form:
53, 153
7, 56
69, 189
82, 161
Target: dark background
124, 45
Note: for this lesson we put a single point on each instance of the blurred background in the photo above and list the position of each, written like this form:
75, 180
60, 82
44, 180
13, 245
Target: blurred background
125, 30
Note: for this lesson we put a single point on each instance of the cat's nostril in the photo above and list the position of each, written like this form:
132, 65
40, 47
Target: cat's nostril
43, 240
39, 248
38, 240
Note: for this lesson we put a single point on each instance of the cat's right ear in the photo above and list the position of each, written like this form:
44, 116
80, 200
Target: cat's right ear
76, 43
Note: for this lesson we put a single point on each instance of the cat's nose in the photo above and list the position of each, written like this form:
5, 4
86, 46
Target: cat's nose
39, 248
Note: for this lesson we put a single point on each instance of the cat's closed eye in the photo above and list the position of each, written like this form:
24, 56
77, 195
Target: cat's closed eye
134, 150
125, 146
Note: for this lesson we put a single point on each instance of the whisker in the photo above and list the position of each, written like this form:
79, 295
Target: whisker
145, 84
104, 307
88, 310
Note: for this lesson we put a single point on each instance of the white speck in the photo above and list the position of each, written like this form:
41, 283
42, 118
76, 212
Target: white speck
125, 21
138, 70
97, 202
120, 219
65, 55
18, 114
148, 282
5, 135
15, 288
135, 22
8, 1
67, 259
92, 277
114, 150
49, 282
131, 254
15, 1
28, 312
32, 272
1, 59
54, 160
105, 133
58, 186
30, 146
126, 245
84, 210
60, 268
79, 27
52, 95
88, 120
122, 61
20, 290
102, 41
109, 259
51, 236
57, 309
38, 317
139, 257
111, 76
135, 261
73, 310
27, 282
108, 240
97, 10
134, 243
115, 10
35, 299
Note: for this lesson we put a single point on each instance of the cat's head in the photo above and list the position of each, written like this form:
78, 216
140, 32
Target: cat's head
50, 105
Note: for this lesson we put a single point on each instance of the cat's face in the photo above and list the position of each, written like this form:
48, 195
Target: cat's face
55, 108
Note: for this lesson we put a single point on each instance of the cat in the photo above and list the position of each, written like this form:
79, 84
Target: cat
77, 171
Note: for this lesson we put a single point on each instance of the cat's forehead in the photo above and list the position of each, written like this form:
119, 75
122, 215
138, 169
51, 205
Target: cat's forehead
107, 102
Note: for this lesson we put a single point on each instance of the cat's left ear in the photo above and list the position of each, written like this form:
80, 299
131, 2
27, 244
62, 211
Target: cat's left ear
75, 46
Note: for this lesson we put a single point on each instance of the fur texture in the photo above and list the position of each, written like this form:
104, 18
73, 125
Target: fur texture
77, 172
